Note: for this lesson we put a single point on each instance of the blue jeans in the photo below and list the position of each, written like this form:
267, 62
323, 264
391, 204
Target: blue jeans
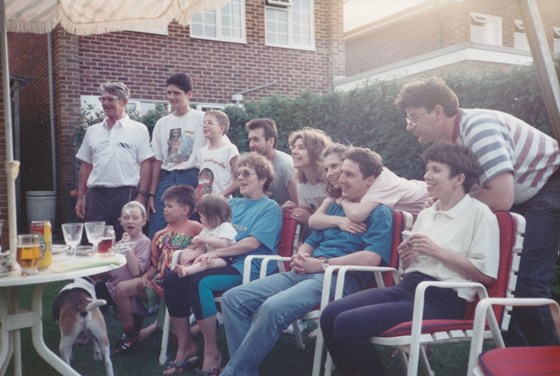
257, 313
534, 326
169, 179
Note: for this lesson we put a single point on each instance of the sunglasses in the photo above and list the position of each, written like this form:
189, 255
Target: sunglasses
244, 173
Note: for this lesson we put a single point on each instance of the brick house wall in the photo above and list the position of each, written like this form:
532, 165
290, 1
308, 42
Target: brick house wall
438, 26
144, 61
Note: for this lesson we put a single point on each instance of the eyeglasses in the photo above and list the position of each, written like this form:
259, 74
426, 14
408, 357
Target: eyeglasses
414, 118
245, 174
108, 99
210, 122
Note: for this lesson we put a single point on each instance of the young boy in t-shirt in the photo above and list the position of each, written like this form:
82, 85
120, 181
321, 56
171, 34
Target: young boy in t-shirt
218, 158
179, 202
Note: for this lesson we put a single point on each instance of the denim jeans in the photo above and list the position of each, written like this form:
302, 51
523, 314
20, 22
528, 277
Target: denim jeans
169, 179
534, 326
257, 313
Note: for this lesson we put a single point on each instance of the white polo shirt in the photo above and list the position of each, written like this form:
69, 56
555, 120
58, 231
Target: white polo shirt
469, 229
115, 153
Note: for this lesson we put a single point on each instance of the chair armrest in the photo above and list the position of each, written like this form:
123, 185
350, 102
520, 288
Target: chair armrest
265, 260
377, 270
418, 313
484, 312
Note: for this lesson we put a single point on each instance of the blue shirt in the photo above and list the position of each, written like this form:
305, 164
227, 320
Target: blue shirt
333, 242
261, 219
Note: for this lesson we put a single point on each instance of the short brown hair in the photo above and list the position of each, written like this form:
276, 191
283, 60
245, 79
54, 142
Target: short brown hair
459, 158
221, 117
370, 162
428, 94
215, 208
261, 165
183, 194
267, 125
315, 141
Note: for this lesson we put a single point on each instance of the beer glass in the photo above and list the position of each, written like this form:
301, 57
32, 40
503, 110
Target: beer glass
107, 241
28, 253
72, 235
94, 232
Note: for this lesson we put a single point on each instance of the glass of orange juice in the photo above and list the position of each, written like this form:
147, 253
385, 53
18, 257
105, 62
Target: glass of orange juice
28, 253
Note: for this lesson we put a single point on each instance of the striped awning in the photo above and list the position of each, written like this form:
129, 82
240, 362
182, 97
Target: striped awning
84, 17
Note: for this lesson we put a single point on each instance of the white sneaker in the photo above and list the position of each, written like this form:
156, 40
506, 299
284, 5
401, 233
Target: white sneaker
290, 329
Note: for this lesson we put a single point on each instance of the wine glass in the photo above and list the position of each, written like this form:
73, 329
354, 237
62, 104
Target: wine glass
72, 235
94, 232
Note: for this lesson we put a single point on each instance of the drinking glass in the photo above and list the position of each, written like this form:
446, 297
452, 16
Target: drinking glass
28, 253
107, 241
94, 232
72, 235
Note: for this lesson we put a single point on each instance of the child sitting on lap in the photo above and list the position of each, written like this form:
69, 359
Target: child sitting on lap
218, 232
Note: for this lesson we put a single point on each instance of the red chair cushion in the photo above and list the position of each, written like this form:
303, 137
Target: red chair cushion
428, 327
544, 360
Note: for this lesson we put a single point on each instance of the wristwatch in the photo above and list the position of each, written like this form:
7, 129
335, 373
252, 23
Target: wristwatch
325, 264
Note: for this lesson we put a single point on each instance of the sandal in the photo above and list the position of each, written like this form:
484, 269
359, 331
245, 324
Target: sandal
125, 345
175, 367
209, 372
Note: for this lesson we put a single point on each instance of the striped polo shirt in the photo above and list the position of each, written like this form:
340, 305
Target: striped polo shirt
502, 143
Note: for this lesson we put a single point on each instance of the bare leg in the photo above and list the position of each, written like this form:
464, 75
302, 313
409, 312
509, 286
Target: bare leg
125, 291
198, 267
212, 356
186, 348
148, 331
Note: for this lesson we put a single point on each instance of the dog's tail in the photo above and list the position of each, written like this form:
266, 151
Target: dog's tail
94, 304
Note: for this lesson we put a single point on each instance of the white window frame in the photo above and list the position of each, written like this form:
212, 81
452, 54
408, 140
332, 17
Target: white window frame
556, 41
490, 32
206, 106
289, 11
520, 37
219, 36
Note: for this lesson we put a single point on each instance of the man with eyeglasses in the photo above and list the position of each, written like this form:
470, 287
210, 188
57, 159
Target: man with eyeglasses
520, 171
115, 160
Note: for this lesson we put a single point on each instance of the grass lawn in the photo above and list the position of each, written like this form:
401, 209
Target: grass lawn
285, 359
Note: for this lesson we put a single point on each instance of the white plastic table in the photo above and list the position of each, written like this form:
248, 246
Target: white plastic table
13, 318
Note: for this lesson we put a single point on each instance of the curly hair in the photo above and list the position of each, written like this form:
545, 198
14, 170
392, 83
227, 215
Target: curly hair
261, 166
339, 150
315, 141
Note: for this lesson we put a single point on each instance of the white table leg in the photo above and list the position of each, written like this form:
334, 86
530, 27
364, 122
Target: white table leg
5, 335
37, 335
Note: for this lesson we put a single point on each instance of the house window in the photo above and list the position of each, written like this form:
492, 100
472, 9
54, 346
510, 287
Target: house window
290, 26
519, 37
225, 24
556, 41
486, 29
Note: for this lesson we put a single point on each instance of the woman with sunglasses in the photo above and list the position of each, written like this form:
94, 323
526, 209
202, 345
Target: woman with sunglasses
258, 222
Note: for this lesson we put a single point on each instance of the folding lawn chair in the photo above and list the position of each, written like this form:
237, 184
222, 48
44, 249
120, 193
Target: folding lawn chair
502, 361
401, 221
289, 240
411, 337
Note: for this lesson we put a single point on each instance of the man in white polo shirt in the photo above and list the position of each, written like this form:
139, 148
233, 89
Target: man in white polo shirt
115, 160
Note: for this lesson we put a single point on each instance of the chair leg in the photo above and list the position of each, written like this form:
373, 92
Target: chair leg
318, 356
164, 338
297, 335
425, 363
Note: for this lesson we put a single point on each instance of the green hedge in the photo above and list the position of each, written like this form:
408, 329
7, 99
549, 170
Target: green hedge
367, 116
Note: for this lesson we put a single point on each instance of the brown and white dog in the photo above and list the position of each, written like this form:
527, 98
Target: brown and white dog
76, 308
